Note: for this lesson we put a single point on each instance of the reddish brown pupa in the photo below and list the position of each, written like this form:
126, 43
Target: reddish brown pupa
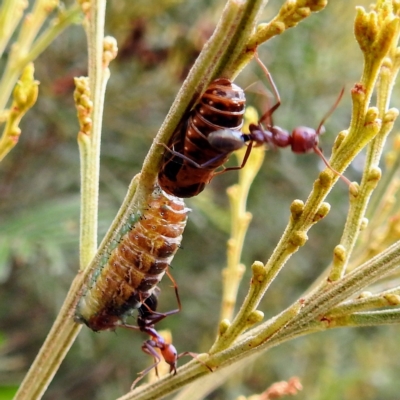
133, 264
190, 161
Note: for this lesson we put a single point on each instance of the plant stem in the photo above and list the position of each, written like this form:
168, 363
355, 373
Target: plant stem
238, 194
367, 301
10, 15
235, 18
52, 352
308, 318
65, 330
89, 146
291, 13
24, 97
203, 72
22, 53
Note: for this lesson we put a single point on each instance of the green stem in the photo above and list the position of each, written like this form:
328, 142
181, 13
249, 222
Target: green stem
32, 23
232, 64
240, 220
374, 318
18, 60
90, 153
203, 72
389, 71
296, 321
24, 97
387, 179
62, 21
64, 330
320, 303
308, 317
53, 350
290, 14
11, 13
371, 176
367, 301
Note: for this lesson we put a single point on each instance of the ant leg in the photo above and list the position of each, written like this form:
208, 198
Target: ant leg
189, 160
268, 113
195, 356
330, 111
244, 161
148, 347
132, 327
175, 286
318, 132
344, 179
156, 316
148, 316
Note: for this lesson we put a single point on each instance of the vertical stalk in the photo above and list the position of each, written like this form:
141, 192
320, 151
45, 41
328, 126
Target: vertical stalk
65, 330
89, 145
10, 15
24, 52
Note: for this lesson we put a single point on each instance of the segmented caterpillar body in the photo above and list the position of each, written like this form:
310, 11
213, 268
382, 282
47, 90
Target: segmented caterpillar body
133, 264
191, 160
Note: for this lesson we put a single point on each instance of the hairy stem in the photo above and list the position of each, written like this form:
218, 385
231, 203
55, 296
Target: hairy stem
65, 330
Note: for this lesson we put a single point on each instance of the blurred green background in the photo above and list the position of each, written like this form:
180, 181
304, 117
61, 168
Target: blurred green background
39, 205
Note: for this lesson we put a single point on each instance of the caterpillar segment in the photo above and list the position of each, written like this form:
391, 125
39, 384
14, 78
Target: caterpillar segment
132, 266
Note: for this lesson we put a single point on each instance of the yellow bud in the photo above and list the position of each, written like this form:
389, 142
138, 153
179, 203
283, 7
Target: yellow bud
223, 326
322, 212
299, 238
110, 50
325, 178
296, 208
354, 190
392, 299
339, 139
374, 176
259, 272
372, 115
358, 93
26, 90
391, 115
318, 5
364, 224
339, 254
255, 317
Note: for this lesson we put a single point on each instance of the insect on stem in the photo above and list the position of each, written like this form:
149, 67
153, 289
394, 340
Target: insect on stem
208, 135
125, 275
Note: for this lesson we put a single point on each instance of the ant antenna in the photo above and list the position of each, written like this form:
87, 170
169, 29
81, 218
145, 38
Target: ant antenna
317, 150
302, 139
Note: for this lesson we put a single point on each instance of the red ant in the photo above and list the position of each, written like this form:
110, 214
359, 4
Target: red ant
302, 139
199, 146
147, 318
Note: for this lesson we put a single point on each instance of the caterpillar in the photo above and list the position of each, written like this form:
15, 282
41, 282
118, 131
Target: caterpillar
127, 272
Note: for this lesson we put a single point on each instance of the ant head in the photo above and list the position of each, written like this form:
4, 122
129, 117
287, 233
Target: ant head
170, 356
304, 139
